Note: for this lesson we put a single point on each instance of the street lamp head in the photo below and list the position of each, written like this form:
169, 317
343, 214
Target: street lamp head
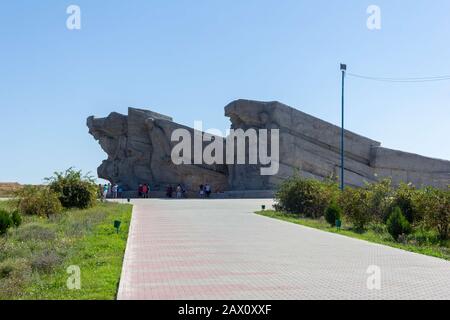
343, 67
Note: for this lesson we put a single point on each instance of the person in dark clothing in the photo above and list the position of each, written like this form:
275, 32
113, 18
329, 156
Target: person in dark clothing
208, 190
169, 191
140, 190
145, 191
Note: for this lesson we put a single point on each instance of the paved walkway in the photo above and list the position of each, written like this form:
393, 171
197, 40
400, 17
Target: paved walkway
219, 249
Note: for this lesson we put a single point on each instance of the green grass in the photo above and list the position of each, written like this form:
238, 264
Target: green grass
5, 205
34, 258
375, 233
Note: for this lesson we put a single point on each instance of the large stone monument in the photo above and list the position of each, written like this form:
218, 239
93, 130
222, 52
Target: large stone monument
139, 151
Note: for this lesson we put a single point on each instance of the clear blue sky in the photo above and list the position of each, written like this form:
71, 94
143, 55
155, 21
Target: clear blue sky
188, 59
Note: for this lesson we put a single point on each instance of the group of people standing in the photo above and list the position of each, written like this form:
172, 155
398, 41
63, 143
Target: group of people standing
115, 191
204, 191
144, 190
110, 191
180, 191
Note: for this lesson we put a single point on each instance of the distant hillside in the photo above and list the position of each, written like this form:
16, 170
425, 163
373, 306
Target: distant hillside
7, 189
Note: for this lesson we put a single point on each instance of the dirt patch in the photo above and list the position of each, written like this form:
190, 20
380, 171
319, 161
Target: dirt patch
7, 189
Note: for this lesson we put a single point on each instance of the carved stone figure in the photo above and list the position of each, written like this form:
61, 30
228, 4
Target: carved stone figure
139, 149
312, 146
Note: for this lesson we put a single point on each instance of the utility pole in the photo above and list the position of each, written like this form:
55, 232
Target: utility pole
343, 70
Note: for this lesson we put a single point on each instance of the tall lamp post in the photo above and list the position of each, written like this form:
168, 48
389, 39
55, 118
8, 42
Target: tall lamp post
343, 70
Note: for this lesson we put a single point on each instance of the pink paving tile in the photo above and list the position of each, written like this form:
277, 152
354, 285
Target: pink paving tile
222, 250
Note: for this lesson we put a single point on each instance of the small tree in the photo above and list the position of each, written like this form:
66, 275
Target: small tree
397, 224
304, 196
41, 201
354, 205
435, 205
5, 221
333, 213
75, 190
403, 198
379, 199
16, 218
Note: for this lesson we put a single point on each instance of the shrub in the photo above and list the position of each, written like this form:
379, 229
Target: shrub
6, 268
404, 197
422, 236
14, 274
39, 201
379, 199
428, 207
45, 261
5, 221
74, 189
397, 224
333, 213
35, 231
11, 266
331, 190
378, 228
16, 218
435, 205
302, 196
354, 204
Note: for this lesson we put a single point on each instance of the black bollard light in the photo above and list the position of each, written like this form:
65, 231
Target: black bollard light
117, 225
338, 224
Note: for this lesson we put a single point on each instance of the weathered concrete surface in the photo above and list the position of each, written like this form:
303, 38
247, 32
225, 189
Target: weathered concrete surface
139, 148
312, 146
139, 151
220, 249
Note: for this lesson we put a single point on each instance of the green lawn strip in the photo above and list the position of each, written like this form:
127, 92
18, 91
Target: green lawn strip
99, 254
371, 236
